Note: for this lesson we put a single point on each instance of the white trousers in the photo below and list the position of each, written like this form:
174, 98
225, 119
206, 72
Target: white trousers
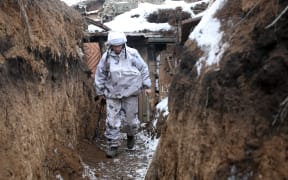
122, 114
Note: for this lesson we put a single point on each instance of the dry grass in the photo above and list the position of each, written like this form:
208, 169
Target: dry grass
172, 16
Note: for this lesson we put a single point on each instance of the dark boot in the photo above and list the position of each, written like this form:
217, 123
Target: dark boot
130, 142
112, 152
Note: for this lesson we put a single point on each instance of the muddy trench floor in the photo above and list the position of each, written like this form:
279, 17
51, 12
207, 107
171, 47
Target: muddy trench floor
128, 165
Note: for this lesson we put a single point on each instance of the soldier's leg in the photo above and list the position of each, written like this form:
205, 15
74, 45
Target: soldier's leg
113, 122
130, 121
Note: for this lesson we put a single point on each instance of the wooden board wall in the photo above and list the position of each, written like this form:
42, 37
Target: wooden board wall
92, 56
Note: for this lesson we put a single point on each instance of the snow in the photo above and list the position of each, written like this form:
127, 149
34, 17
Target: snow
88, 172
150, 147
162, 106
208, 36
127, 22
71, 2
59, 177
93, 28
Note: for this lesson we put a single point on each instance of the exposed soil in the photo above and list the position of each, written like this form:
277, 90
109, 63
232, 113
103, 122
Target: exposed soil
231, 122
45, 96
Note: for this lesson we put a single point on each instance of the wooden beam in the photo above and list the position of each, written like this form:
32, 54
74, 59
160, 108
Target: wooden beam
96, 23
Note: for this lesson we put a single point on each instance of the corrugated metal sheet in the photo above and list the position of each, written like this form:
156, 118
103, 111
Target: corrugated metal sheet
92, 56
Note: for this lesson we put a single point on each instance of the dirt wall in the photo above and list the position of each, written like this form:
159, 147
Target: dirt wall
231, 122
45, 94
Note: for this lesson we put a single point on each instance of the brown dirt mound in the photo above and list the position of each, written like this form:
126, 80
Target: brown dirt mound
45, 96
226, 123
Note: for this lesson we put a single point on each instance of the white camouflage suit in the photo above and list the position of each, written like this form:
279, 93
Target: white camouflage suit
121, 77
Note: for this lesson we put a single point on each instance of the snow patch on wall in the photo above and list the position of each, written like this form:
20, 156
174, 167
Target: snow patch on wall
208, 36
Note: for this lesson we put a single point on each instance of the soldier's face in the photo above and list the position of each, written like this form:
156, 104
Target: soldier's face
117, 49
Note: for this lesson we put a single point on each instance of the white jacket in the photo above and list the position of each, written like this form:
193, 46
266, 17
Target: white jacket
117, 76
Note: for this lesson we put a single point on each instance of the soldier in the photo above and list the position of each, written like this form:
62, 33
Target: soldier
120, 76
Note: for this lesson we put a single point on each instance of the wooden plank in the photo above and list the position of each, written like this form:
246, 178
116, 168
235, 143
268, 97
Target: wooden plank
97, 23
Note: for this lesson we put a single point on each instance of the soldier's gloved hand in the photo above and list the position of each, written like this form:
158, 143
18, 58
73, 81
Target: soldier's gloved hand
147, 92
100, 100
